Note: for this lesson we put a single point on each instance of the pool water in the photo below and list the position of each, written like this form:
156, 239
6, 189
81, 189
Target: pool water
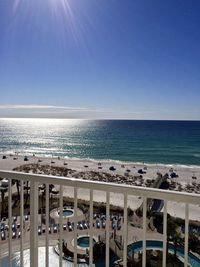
155, 244
84, 242
67, 213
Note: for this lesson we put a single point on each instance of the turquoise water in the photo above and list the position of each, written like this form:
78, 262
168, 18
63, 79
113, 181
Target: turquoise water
170, 142
54, 259
154, 244
84, 242
67, 213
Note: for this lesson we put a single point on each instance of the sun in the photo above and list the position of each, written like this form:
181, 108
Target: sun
60, 13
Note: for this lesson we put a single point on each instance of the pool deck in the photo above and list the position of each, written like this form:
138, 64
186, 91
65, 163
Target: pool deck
134, 234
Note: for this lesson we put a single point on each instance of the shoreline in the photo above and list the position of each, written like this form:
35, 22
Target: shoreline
87, 169
115, 161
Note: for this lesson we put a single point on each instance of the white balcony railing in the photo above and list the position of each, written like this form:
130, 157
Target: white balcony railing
127, 191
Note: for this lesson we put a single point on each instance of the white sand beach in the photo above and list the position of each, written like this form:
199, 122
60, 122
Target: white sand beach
188, 178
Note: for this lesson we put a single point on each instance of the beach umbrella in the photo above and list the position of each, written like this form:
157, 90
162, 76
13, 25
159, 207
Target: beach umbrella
112, 168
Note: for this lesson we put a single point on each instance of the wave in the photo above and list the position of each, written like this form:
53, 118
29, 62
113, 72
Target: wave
106, 161
196, 155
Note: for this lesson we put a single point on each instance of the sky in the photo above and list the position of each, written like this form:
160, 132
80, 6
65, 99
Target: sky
92, 59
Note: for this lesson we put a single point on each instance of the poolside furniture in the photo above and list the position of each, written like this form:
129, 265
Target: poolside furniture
85, 226
70, 229
103, 224
98, 224
3, 235
14, 226
80, 226
55, 228
39, 230
2, 226
14, 235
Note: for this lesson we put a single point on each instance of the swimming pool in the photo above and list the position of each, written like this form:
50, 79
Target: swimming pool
155, 244
84, 241
67, 213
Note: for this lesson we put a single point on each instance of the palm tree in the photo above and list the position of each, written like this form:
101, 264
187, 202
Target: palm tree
17, 182
194, 242
27, 187
50, 193
3, 190
173, 235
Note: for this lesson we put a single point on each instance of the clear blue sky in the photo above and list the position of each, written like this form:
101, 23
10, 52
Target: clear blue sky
136, 59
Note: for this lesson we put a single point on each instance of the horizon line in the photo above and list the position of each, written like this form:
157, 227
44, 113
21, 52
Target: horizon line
99, 119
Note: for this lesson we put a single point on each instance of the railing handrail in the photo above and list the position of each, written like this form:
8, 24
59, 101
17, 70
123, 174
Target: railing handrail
190, 198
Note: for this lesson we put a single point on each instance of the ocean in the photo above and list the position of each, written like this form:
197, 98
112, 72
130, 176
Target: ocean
165, 142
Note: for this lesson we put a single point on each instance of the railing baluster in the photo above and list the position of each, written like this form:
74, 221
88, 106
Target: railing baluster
165, 234
22, 223
144, 231
75, 225
107, 228
47, 224
61, 226
125, 231
91, 228
10, 221
186, 234
34, 223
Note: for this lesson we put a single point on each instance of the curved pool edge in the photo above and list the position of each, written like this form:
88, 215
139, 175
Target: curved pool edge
193, 260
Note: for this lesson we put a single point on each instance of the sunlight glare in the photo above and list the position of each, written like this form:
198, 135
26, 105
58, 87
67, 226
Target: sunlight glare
16, 5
